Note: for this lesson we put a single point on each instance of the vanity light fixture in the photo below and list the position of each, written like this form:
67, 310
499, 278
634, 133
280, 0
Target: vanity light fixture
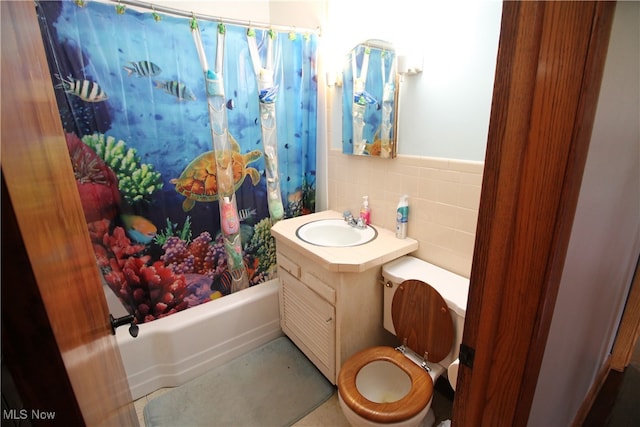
334, 78
409, 65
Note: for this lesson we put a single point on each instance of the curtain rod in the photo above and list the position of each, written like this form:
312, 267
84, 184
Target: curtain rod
188, 14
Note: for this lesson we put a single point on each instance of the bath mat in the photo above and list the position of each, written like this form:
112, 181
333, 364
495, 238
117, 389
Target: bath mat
273, 385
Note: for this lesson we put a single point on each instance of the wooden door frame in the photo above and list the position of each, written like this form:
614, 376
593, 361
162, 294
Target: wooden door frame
550, 63
629, 328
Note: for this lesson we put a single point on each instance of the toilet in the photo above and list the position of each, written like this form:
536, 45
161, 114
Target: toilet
424, 307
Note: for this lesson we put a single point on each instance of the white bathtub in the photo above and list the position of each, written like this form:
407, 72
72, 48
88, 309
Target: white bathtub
173, 350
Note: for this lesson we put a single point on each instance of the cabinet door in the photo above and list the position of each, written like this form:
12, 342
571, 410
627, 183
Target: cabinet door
309, 321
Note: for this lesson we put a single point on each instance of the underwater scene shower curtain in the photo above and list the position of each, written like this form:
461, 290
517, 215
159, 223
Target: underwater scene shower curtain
141, 109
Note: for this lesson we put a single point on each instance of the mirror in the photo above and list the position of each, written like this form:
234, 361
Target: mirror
370, 100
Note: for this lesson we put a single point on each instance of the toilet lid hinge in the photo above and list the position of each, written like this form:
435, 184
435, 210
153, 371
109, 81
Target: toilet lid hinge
466, 355
402, 348
425, 362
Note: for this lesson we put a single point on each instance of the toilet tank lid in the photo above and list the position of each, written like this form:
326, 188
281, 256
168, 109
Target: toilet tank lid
453, 287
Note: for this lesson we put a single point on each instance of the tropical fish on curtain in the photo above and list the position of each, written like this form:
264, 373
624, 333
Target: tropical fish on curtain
132, 99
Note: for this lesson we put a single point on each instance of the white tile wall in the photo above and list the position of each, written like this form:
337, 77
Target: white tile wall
444, 195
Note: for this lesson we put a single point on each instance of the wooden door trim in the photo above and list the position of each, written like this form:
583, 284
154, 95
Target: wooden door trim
550, 62
40, 183
629, 329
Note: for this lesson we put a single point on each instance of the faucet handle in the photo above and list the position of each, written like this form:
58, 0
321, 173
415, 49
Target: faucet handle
347, 215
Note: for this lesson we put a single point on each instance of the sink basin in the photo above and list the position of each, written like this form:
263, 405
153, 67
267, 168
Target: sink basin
335, 233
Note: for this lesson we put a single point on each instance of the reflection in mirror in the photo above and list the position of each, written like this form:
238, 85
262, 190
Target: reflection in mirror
369, 100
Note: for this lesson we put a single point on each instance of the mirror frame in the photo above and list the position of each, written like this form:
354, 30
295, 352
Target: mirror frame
371, 107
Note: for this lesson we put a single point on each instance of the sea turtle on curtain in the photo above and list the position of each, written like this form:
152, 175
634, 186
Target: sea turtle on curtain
199, 182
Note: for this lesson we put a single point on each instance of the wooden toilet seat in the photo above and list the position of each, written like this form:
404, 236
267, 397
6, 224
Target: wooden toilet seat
421, 318
408, 406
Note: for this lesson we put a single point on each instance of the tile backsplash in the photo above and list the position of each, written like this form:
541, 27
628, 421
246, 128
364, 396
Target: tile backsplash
444, 195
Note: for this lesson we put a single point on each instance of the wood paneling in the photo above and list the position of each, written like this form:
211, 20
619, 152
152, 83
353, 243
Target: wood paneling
548, 73
42, 189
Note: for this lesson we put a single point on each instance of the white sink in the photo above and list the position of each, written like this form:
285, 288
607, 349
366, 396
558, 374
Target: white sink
335, 233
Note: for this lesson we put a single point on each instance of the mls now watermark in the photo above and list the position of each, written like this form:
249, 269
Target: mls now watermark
24, 414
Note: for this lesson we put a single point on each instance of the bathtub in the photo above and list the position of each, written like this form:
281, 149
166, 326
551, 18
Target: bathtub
173, 350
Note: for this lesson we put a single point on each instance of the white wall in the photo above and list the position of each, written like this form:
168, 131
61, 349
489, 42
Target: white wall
605, 239
250, 10
302, 14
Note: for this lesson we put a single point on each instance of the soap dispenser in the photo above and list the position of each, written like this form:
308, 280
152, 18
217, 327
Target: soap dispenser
365, 211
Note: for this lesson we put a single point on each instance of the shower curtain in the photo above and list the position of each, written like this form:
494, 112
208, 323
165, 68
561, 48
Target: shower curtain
132, 99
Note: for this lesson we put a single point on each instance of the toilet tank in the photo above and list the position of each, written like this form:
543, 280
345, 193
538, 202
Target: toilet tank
453, 288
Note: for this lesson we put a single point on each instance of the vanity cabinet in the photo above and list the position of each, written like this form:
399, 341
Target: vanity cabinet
329, 315
331, 297
310, 321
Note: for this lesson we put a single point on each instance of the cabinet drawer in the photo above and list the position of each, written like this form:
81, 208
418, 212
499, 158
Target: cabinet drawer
311, 320
320, 287
288, 265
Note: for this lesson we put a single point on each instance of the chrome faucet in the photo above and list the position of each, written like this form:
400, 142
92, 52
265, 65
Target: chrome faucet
349, 219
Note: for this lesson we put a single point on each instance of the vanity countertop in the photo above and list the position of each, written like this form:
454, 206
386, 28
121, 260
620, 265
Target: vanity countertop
384, 248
